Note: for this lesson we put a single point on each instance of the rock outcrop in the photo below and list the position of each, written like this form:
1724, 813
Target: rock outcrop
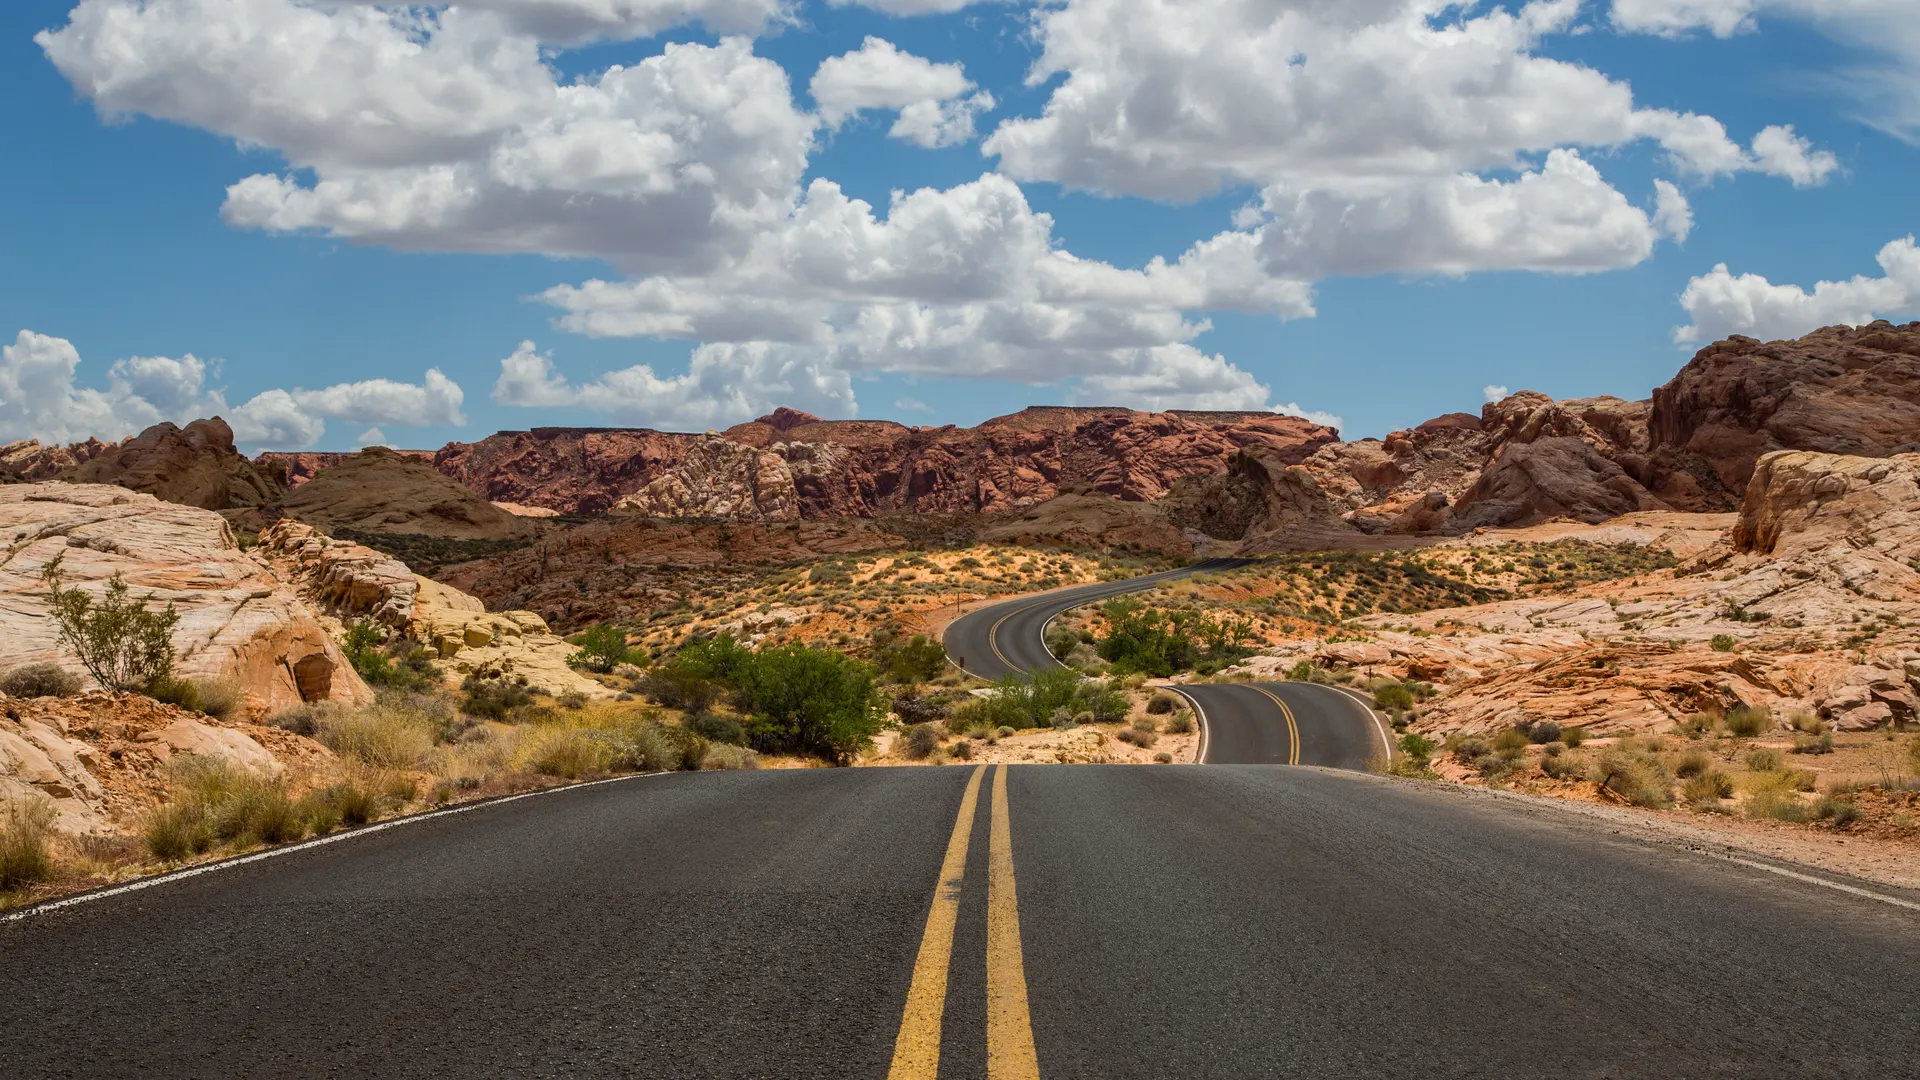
98, 758
194, 466
380, 491
27, 461
858, 468
720, 479
1840, 390
350, 582
238, 620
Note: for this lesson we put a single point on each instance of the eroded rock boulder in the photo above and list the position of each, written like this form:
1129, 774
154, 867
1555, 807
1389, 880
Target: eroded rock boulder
195, 466
238, 620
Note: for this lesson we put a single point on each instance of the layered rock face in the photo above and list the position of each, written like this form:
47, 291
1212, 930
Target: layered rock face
195, 466
350, 582
720, 479
1840, 390
238, 620
27, 461
859, 468
380, 491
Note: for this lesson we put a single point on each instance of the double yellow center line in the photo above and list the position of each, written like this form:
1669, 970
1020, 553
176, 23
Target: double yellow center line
1010, 1053
1293, 728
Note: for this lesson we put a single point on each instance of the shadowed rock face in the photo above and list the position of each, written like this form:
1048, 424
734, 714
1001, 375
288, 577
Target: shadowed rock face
194, 466
381, 491
1838, 390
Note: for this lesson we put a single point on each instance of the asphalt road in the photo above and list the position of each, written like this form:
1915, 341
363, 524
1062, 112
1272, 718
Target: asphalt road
1245, 724
1165, 922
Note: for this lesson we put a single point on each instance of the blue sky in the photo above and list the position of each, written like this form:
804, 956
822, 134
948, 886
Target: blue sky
1370, 235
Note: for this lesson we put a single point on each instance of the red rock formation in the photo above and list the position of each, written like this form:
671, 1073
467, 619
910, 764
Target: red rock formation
856, 468
1838, 390
27, 461
194, 466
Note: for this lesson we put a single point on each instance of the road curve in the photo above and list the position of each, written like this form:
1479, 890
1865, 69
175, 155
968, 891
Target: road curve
1244, 723
1225, 922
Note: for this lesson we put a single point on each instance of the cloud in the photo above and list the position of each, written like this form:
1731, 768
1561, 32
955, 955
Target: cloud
907, 404
1885, 82
724, 384
1672, 214
961, 282
932, 99
1172, 377
1562, 218
1326, 419
1721, 304
445, 130
372, 437
1176, 101
914, 7
39, 399
1494, 393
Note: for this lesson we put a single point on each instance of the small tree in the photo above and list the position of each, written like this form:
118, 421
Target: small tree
602, 648
122, 645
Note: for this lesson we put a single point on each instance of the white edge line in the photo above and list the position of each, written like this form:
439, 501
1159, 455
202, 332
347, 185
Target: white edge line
288, 849
1205, 729
1372, 714
1812, 880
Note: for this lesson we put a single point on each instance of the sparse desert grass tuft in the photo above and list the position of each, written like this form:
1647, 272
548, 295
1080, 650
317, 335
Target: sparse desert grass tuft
563, 752
1813, 744
1162, 702
1764, 761
1705, 790
1639, 780
1136, 737
1839, 810
1180, 723
919, 741
39, 680
1744, 721
26, 829
387, 734
1692, 763
729, 756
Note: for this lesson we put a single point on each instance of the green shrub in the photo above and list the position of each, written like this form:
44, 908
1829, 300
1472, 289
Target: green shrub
1574, 736
1163, 758
1162, 703
497, 698
40, 680
177, 830
1137, 737
727, 756
1724, 643
1180, 723
1160, 643
1561, 766
403, 665
1841, 811
355, 803
810, 701
1745, 721
717, 729
919, 741
1395, 697
996, 711
26, 830
680, 686
1764, 761
120, 643
917, 659
602, 648
1511, 744
1417, 747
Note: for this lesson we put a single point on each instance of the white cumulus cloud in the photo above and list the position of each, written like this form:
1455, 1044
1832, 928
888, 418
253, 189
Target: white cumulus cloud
1672, 214
724, 384
1494, 393
933, 100
1315, 415
40, 399
1721, 304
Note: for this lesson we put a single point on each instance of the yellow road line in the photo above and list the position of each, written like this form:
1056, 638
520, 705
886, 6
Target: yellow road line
916, 1051
1293, 729
1010, 1054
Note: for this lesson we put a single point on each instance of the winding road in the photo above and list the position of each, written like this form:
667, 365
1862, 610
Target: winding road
1284, 723
997, 922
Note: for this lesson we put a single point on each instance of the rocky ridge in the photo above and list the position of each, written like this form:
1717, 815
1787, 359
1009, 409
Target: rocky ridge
349, 582
380, 491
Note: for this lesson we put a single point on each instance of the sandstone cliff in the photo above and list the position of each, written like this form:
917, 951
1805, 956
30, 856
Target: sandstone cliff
238, 620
